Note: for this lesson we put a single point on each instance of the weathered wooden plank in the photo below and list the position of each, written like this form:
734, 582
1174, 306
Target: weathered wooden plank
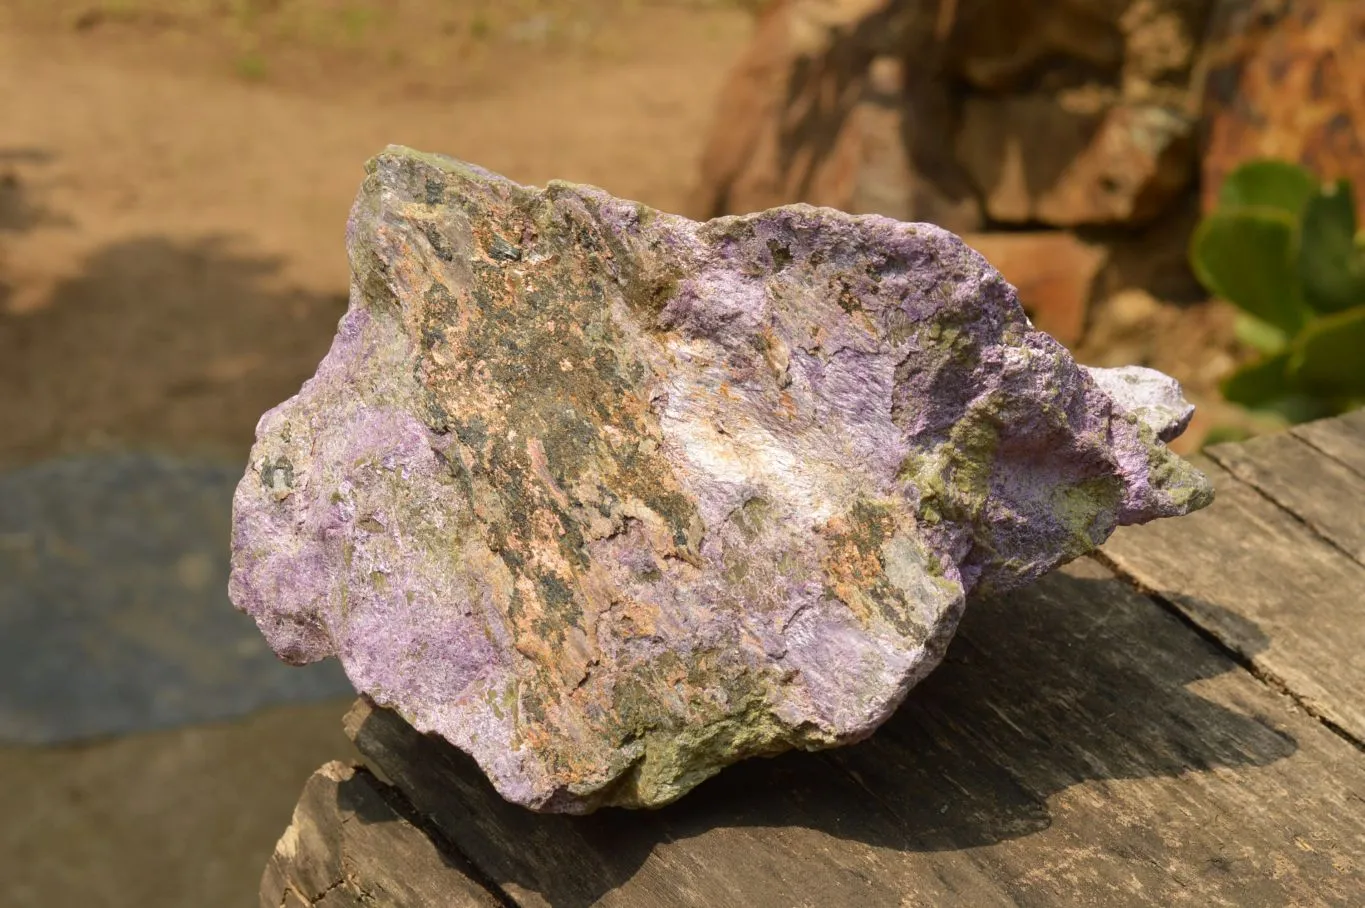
348, 848
1079, 745
1342, 438
1325, 494
1267, 587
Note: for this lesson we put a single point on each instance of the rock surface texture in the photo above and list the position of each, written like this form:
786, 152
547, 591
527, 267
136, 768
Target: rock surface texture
611, 499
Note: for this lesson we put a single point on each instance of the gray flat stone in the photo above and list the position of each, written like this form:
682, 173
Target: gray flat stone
114, 616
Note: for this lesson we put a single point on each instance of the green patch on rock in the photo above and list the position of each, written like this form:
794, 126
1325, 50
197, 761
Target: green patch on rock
953, 478
1179, 480
752, 517
1081, 506
726, 713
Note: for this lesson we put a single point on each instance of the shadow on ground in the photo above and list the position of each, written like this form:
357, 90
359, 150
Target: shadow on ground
159, 342
128, 402
18, 212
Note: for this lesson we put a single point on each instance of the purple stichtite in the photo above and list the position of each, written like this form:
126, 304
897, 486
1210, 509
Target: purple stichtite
611, 499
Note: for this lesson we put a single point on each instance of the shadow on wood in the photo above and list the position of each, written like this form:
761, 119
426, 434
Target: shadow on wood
329, 860
1077, 679
1282, 550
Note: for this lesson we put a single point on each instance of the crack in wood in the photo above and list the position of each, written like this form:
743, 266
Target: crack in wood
1247, 663
1312, 443
1239, 471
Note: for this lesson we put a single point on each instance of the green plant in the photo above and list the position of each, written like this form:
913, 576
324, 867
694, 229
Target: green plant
1285, 248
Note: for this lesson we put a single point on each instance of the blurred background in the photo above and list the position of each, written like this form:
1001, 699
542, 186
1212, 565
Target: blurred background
174, 182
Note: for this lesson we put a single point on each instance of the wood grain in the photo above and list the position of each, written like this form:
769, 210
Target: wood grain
1342, 438
1080, 745
1267, 586
1325, 494
349, 848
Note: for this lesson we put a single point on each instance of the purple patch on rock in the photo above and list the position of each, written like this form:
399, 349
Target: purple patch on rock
611, 499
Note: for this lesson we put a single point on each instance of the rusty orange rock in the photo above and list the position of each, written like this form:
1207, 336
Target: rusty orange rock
1060, 112
837, 104
1099, 164
1286, 79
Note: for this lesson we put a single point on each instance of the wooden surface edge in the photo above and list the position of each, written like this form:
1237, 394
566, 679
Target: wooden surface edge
1341, 438
349, 845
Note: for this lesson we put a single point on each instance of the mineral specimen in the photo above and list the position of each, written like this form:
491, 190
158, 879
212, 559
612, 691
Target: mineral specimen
610, 499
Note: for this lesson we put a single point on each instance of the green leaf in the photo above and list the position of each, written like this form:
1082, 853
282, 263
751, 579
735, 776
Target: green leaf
1260, 336
1297, 408
1267, 183
1266, 387
1260, 382
1246, 257
1331, 265
1328, 358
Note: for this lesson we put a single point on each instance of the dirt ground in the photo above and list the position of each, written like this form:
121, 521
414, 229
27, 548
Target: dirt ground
174, 183
176, 177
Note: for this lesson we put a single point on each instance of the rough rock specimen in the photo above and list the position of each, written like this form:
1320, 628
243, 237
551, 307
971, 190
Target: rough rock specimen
611, 499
